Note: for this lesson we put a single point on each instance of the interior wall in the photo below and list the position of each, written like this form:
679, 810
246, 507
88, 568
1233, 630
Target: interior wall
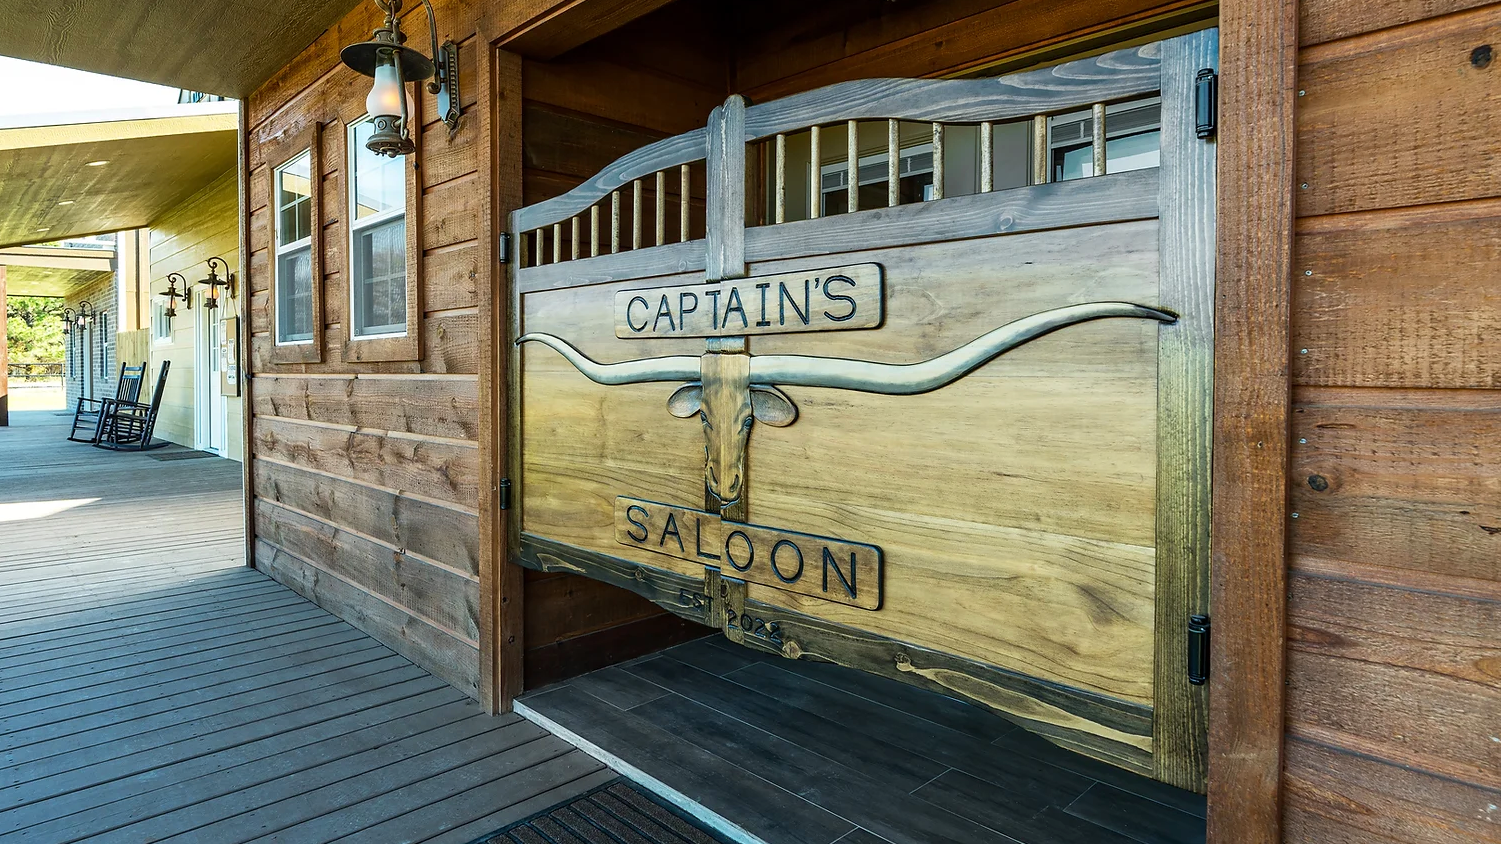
1394, 599
787, 46
366, 475
657, 77
203, 226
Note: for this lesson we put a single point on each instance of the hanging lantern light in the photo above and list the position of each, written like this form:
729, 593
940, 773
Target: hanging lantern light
173, 294
213, 282
387, 59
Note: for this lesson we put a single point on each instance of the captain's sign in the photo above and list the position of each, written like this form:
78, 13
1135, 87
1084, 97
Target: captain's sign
835, 299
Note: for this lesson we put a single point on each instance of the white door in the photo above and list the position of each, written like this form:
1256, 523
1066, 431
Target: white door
209, 402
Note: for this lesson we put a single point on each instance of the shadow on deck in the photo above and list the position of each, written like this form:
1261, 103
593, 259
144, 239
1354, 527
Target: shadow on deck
152, 688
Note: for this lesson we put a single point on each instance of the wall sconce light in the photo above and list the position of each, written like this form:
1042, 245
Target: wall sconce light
213, 281
79, 318
392, 64
173, 294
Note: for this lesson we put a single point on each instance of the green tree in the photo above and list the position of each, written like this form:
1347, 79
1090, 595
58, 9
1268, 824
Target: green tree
34, 328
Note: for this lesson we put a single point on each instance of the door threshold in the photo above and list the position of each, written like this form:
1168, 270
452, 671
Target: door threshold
713, 820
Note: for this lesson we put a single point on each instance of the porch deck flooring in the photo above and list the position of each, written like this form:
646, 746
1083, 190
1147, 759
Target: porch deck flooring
792, 751
152, 688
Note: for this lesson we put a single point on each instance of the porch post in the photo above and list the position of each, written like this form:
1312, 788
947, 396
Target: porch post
1259, 52
4, 359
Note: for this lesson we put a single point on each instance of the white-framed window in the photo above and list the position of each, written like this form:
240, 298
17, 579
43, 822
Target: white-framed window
294, 251
161, 324
1132, 139
377, 239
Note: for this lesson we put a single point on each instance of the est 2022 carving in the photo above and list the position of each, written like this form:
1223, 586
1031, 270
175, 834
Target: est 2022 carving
731, 391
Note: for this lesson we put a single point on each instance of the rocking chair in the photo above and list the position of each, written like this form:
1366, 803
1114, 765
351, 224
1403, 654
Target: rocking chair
129, 424
88, 415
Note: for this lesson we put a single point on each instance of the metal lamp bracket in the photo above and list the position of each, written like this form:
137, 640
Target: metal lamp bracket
445, 85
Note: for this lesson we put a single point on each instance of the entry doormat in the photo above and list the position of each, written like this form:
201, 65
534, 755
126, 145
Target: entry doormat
616, 811
179, 455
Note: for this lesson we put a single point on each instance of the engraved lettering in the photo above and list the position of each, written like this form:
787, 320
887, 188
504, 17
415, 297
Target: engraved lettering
632, 303
763, 321
684, 309
785, 298
664, 309
631, 510
713, 308
849, 583
839, 297
750, 550
734, 306
671, 529
777, 570
698, 540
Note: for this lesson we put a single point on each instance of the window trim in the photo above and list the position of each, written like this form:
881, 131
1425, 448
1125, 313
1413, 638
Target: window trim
278, 248
308, 141
389, 346
159, 309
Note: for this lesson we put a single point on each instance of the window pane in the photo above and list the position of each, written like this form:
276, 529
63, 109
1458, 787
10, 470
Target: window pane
294, 296
379, 182
380, 290
294, 200
1133, 152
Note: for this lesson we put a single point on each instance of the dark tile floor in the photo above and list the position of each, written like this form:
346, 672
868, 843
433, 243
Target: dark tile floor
790, 751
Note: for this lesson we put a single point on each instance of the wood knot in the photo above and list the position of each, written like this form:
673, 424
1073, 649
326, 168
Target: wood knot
1480, 57
1319, 483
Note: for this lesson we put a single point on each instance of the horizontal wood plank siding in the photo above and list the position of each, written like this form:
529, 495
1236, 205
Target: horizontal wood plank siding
1394, 596
367, 477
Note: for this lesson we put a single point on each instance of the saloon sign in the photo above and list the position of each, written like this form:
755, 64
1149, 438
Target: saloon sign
729, 391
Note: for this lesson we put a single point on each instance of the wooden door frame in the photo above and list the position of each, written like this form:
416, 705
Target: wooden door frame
501, 585
1251, 406
1258, 88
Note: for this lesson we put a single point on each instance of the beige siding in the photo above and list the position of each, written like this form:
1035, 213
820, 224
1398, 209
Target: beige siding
204, 226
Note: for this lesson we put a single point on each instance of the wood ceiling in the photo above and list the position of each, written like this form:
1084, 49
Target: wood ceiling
52, 192
224, 47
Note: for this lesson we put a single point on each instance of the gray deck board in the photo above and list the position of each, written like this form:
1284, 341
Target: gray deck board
796, 751
153, 688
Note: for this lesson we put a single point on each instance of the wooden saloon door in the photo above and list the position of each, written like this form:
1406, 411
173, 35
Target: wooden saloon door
960, 440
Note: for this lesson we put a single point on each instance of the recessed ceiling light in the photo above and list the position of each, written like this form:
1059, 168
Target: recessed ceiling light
99, 163
67, 202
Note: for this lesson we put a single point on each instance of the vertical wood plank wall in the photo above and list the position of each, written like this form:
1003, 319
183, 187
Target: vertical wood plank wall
657, 77
203, 226
1394, 593
366, 476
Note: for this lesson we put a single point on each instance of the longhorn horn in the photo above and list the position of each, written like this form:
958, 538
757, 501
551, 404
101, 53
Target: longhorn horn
674, 368
911, 378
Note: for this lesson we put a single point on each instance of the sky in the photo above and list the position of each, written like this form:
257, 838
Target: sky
32, 88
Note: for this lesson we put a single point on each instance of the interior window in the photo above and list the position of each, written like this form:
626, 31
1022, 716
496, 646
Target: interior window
378, 255
914, 180
1132, 140
294, 251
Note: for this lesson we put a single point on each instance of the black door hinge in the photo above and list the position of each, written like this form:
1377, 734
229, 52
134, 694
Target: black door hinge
505, 493
1198, 649
1206, 103
503, 248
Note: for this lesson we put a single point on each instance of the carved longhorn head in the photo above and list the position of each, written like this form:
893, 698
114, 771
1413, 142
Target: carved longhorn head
729, 405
